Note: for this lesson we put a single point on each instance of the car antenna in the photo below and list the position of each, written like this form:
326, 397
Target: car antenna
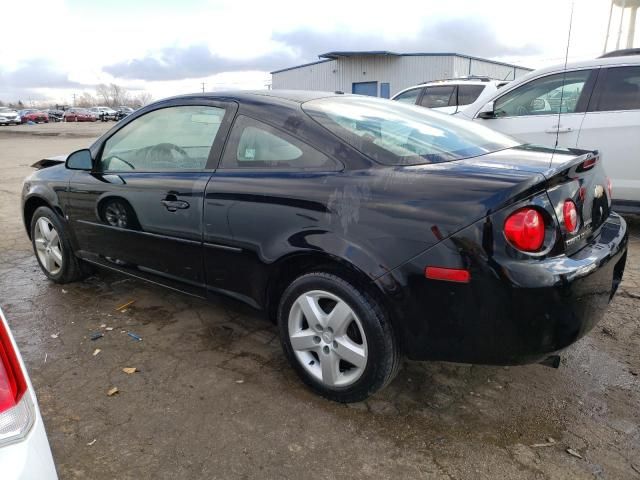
564, 75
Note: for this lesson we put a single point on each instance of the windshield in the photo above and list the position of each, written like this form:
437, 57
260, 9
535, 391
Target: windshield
393, 133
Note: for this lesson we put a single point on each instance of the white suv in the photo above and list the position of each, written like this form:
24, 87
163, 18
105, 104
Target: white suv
592, 105
449, 96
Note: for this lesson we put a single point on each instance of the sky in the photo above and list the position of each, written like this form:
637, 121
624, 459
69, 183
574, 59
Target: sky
169, 47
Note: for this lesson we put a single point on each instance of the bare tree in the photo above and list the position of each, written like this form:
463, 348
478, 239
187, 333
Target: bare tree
86, 100
141, 99
119, 95
113, 95
103, 93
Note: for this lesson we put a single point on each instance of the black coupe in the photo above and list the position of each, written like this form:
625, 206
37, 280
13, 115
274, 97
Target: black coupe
367, 229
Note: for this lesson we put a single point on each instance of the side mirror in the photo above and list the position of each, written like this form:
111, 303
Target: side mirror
487, 111
80, 160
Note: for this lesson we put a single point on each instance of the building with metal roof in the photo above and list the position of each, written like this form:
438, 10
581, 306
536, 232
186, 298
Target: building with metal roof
382, 73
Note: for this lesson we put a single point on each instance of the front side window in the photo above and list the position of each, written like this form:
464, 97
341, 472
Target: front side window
173, 138
395, 134
435, 97
253, 144
620, 91
410, 96
553, 94
467, 94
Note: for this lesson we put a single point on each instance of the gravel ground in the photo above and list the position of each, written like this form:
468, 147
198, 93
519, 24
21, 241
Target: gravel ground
215, 399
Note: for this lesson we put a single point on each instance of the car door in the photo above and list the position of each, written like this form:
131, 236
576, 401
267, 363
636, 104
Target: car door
140, 209
544, 109
611, 125
263, 194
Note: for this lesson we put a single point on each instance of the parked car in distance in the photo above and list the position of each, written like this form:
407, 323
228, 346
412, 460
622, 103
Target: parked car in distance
366, 228
104, 113
55, 115
593, 104
123, 112
79, 115
449, 96
24, 447
9, 116
33, 115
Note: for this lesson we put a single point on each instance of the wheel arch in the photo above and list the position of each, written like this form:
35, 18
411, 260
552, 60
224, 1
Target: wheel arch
292, 266
31, 204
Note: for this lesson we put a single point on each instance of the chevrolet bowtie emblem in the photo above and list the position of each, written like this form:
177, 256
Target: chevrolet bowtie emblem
598, 191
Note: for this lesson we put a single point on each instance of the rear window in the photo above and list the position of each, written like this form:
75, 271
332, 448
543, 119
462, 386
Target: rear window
392, 133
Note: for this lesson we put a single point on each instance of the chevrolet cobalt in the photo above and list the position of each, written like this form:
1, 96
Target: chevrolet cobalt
367, 229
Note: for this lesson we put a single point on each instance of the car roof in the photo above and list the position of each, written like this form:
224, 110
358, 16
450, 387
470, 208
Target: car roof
597, 62
297, 96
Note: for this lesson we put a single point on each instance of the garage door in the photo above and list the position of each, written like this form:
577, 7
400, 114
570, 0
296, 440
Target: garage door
365, 88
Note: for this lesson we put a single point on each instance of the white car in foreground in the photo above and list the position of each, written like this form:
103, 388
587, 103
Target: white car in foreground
592, 105
449, 96
24, 448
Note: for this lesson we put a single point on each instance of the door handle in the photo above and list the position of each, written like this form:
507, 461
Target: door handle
556, 129
172, 203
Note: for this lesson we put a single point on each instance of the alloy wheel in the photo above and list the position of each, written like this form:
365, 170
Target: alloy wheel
48, 247
327, 338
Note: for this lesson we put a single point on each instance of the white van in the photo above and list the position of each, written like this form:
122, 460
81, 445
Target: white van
593, 105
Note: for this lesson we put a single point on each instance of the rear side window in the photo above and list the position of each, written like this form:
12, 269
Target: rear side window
253, 144
409, 97
467, 94
619, 90
435, 97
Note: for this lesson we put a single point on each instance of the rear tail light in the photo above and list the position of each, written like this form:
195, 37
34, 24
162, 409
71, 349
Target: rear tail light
570, 216
16, 409
525, 229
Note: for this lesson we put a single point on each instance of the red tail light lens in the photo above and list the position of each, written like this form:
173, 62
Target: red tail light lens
12, 381
570, 215
525, 229
457, 275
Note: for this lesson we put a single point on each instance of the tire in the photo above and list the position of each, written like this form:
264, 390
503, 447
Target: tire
67, 267
365, 337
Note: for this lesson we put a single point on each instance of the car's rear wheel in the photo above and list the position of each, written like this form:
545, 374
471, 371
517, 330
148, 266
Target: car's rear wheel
53, 249
337, 338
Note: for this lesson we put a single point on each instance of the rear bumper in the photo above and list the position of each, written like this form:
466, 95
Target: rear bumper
512, 311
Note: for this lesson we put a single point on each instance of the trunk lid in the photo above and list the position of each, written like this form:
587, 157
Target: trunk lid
570, 174
583, 181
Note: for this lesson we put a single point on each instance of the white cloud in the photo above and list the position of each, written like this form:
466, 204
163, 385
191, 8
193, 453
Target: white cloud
80, 40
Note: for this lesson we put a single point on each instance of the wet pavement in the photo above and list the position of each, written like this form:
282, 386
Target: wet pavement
214, 398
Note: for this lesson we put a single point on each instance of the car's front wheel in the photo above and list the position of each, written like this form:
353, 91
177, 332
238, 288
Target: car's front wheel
53, 249
337, 338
